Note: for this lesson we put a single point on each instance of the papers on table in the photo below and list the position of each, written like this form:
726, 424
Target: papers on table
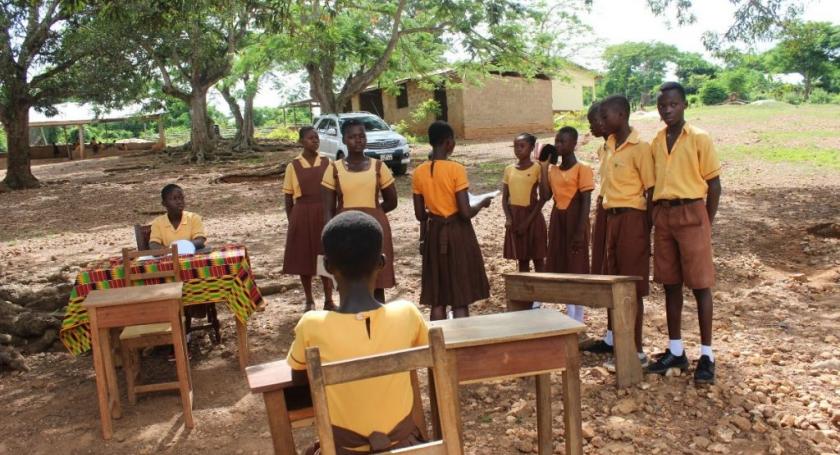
476, 199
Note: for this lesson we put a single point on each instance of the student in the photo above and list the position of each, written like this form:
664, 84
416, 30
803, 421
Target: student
627, 183
362, 412
453, 268
305, 212
599, 228
355, 183
522, 200
571, 184
177, 223
686, 200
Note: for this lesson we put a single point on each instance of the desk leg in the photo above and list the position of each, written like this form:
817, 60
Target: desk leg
242, 342
571, 398
182, 366
544, 433
628, 370
101, 378
279, 424
110, 373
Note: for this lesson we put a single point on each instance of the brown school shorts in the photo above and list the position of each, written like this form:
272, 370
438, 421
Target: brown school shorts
682, 246
628, 247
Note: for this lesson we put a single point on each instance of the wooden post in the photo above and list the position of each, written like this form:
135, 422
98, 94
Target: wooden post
161, 132
82, 142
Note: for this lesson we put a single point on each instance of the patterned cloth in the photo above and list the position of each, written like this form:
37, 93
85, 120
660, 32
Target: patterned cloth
221, 276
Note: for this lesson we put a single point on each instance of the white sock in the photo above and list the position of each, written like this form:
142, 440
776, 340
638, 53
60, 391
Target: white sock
676, 347
641, 355
608, 338
707, 350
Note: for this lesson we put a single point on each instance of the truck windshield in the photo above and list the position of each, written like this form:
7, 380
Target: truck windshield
371, 123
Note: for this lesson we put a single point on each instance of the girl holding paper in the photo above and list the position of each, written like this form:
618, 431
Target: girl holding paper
453, 268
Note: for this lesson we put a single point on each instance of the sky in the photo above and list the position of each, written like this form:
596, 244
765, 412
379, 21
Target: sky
618, 21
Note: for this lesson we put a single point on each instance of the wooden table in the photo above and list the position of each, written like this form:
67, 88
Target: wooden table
114, 308
507, 345
615, 293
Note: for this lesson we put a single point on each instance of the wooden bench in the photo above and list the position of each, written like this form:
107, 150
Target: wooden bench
615, 293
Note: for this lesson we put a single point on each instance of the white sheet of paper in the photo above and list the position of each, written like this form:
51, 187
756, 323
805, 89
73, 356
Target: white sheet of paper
322, 271
477, 198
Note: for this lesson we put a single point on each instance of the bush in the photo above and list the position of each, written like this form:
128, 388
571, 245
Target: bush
693, 100
713, 92
283, 133
793, 97
575, 119
3, 145
819, 96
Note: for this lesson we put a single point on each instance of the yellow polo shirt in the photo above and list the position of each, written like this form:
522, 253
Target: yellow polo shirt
190, 228
628, 172
602, 161
290, 180
682, 174
375, 404
521, 183
358, 188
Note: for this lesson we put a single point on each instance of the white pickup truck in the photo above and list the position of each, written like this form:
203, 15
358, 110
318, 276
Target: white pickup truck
383, 143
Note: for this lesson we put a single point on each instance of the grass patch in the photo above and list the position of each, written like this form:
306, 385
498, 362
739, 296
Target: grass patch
819, 157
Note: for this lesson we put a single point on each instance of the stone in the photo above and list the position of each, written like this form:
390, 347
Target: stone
718, 448
830, 364
741, 422
524, 446
701, 442
625, 406
722, 433
830, 339
787, 420
673, 372
587, 431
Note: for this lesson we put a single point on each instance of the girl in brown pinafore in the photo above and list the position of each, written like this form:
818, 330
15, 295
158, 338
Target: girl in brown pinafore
355, 183
522, 200
305, 211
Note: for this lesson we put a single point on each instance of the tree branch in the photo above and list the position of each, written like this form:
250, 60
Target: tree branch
168, 87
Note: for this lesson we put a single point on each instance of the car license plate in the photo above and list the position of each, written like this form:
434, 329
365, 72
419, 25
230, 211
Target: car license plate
387, 157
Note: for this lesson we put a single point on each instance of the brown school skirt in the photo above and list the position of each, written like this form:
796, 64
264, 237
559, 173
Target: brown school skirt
529, 246
628, 247
303, 239
562, 258
453, 268
599, 240
386, 278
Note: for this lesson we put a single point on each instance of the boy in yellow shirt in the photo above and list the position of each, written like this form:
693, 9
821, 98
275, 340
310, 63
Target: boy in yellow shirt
177, 224
374, 414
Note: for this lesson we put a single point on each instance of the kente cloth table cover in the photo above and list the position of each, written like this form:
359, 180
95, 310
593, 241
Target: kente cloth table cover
223, 275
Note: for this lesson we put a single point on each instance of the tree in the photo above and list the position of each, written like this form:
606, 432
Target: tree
52, 51
713, 92
635, 69
693, 70
811, 49
191, 45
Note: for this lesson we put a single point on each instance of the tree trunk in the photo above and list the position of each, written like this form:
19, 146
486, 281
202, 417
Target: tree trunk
247, 134
18, 169
806, 81
201, 140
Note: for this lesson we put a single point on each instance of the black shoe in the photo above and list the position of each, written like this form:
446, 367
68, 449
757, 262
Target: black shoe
668, 361
705, 371
598, 347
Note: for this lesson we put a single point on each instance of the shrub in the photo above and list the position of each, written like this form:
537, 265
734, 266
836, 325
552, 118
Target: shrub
283, 133
3, 145
693, 100
819, 96
575, 119
713, 92
793, 97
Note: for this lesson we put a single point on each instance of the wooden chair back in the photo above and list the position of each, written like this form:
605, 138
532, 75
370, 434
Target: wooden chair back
142, 234
130, 256
432, 356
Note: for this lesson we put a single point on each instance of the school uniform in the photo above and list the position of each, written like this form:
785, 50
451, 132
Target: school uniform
453, 268
523, 197
382, 404
360, 191
628, 173
682, 239
190, 228
566, 188
303, 239
599, 228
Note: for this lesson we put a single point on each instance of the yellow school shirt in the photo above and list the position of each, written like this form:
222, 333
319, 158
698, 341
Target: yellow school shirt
602, 162
358, 189
521, 183
375, 404
628, 173
190, 228
290, 180
682, 174
438, 189
566, 183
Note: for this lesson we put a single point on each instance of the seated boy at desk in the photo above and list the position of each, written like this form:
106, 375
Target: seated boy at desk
374, 414
177, 224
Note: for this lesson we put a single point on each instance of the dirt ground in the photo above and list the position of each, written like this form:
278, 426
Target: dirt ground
777, 316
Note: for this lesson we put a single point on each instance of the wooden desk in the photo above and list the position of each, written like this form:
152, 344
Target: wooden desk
114, 308
615, 293
506, 345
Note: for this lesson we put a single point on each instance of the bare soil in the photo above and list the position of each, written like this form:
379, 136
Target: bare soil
777, 316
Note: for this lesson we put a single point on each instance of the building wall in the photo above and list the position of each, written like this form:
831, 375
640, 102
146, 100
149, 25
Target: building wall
568, 88
417, 96
507, 105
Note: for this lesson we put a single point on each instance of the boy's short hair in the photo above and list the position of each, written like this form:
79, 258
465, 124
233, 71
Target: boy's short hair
303, 130
593, 108
169, 189
549, 153
673, 86
440, 131
349, 123
353, 243
530, 138
617, 101
570, 131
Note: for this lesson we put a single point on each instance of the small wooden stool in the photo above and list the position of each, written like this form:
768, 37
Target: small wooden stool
131, 306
